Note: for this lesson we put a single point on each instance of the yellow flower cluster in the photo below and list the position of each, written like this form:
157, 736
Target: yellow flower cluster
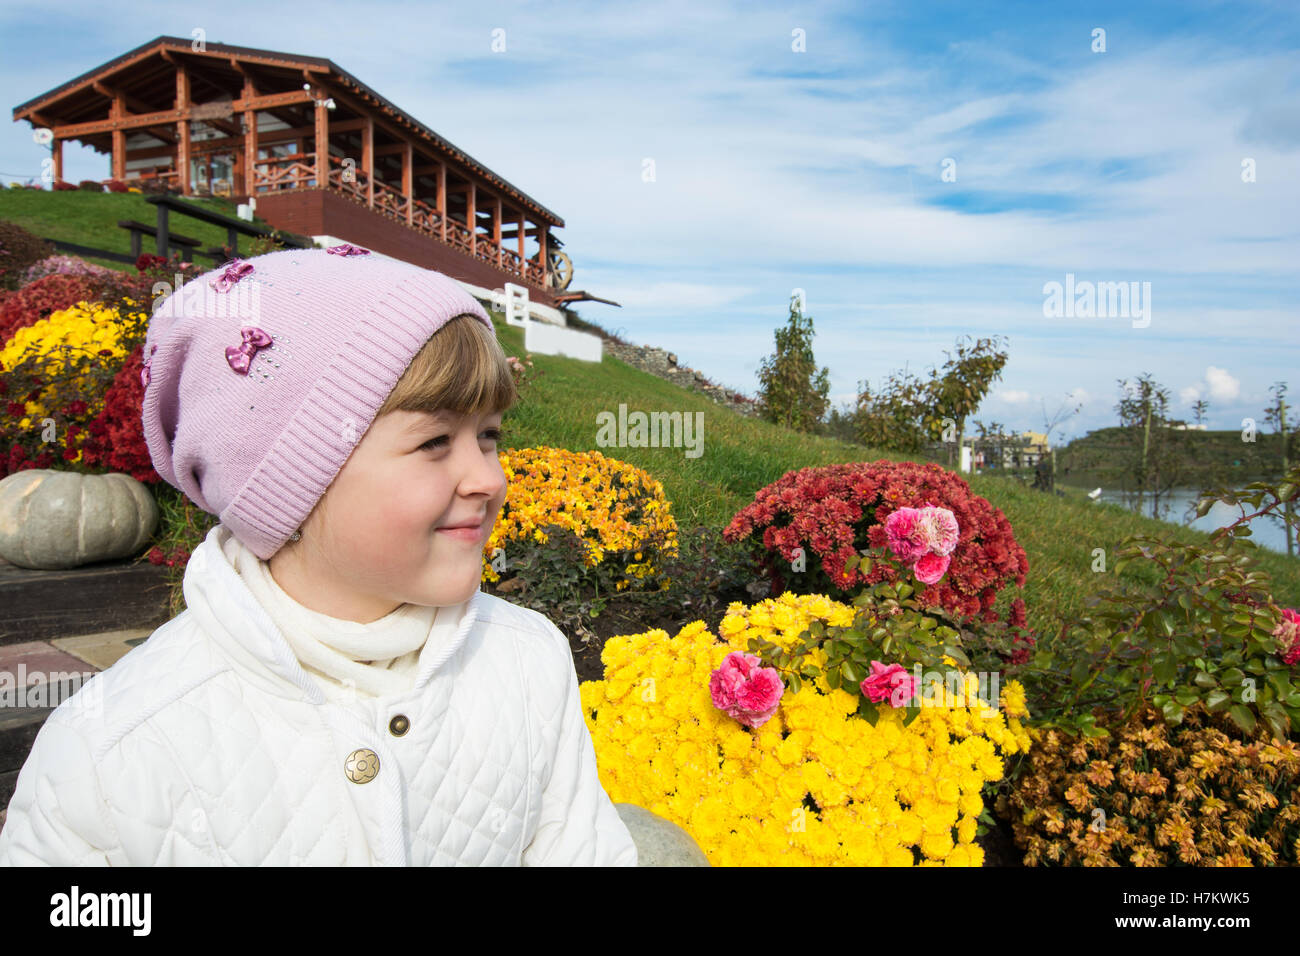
610, 505
816, 784
64, 340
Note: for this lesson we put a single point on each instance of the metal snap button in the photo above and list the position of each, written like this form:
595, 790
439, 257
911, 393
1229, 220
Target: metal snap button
399, 725
362, 766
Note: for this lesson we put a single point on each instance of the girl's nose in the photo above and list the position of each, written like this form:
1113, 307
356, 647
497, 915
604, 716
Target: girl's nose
484, 474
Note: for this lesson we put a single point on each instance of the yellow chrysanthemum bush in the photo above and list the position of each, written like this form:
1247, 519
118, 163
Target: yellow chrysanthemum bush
761, 743
577, 527
64, 344
58, 371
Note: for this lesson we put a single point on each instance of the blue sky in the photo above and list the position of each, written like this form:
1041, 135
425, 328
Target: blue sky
821, 169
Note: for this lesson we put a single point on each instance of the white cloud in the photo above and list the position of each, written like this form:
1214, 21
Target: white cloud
677, 295
1012, 396
1222, 385
1189, 395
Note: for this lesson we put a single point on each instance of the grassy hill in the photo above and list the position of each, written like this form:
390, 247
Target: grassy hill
740, 454
90, 219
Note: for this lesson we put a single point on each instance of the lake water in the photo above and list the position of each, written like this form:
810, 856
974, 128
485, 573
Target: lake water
1179, 507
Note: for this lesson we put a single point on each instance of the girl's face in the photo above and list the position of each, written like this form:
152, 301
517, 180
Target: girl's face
374, 541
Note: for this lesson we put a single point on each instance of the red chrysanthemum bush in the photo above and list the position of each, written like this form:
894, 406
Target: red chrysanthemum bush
114, 438
37, 299
816, 523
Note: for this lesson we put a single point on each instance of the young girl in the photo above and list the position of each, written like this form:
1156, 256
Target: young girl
338, 691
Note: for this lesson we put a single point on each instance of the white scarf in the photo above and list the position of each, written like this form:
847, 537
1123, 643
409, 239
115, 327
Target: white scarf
347, 658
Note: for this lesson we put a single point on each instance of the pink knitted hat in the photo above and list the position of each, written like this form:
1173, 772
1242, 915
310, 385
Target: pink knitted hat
262, 376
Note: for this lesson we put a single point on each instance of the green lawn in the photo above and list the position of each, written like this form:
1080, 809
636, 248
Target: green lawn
90, 219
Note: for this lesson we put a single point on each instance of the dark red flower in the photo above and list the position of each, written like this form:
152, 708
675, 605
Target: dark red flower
830, 512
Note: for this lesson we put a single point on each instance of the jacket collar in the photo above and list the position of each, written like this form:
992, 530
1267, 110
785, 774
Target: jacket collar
226, 610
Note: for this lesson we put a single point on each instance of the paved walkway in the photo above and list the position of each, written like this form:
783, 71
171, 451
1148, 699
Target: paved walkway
39, 662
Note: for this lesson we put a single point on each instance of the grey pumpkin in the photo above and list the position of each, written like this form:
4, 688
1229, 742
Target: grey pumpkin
52, 520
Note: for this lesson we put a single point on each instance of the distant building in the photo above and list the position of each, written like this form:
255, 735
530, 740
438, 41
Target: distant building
1023, 450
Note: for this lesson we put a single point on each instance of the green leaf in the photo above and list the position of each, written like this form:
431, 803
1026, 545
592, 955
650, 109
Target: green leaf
1173, 712
1204, 679
1217, 700
1164, 668
1186, 696
1242, 717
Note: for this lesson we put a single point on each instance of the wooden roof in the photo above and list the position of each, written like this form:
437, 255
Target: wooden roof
146, 79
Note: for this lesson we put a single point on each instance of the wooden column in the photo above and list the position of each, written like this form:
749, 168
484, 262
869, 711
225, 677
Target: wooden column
408, 179
368, 158
523, 268
471, 217
183, 129
543, 254
56, 150
322, 145
442, 199
250, 140
496, 230
119, 138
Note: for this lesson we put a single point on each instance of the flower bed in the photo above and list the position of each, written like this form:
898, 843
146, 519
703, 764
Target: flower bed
608, 505
813, 524
813, 783
1200, 793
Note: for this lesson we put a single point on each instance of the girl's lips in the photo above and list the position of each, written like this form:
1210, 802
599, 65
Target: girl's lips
464, 534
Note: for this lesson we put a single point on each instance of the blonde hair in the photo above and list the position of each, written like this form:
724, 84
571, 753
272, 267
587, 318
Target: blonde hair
461, 368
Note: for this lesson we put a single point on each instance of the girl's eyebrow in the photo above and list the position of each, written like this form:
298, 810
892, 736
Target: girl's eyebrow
425, 420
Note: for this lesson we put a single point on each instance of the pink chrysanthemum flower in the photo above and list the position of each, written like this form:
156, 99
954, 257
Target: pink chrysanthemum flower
906, 537
1288, 635
938, 527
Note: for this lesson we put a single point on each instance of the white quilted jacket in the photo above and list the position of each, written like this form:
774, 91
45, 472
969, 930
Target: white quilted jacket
208, 744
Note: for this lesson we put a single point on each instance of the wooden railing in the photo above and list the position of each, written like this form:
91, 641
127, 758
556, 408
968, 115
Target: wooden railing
427, 218
298, 171
485, 249
457, 235
353, 184
285, 172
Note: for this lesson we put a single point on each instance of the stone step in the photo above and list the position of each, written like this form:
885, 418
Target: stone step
106, 596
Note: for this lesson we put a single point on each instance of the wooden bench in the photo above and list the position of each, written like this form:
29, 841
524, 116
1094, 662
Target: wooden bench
140, 229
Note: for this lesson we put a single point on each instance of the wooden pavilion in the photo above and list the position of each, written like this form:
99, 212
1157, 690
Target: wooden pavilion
318, 151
